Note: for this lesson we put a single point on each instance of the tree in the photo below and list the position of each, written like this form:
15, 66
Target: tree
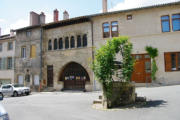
153, 53
104, 63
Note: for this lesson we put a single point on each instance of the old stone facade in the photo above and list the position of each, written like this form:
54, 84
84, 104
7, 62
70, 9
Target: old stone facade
7, 53
28, 56
65, 49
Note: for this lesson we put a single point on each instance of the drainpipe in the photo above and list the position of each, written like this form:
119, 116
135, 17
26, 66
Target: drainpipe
92, 36
41, 40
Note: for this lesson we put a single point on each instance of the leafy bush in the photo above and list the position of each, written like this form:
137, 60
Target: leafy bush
104, 66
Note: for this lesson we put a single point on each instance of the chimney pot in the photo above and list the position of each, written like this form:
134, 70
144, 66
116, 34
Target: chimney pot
56, 15
104, 4
11, 32
65, 15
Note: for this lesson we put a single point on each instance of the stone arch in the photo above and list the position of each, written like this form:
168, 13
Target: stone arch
74, 76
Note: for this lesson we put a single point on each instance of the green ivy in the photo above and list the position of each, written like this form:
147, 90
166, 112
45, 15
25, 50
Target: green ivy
153, 53
104, 66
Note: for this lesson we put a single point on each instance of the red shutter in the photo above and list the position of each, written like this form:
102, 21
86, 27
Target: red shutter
167, 57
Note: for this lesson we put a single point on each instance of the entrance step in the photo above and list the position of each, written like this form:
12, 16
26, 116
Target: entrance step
48, 89
97, 102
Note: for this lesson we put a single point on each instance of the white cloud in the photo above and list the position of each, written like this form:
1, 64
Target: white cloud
127, 4
2, 20
18, 24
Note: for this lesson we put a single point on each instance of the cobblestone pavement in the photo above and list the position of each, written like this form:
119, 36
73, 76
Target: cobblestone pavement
164, 105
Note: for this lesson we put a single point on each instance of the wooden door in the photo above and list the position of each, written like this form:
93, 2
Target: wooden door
50, 76
142, 69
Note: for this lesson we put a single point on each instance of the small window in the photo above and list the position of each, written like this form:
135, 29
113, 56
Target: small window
114, 29
129, 17
165, 23
84, 40
72, 42
172, 61
60, 43
176, 22
66, 42
9, 63
23, 52
10, 45
55, 44
1, 47
1, 64
106, 30
33, 51
49, 45
28, 33
78, 41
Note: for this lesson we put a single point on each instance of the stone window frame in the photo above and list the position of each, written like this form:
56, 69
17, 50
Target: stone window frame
67, 42
60, 46
85, 40
173, 20
72, 42
23, 54
165, 20
1, 48
10, 47
55, 43
9, 65
50, 45
106, 34
114, 33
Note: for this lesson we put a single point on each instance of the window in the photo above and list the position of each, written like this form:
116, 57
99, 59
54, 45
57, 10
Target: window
60, 43
66, 42
78, 41
84, 40
129, 17
23, 52
176, 22
165, 23
1, 47
9, 63
106, 30
33, 51
1, 64
72, 42
114, 29
28, 33
172, 61
49, 45
55, 44
10, 45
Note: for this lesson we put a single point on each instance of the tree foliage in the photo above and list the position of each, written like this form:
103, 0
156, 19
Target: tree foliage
104, 66
153, 53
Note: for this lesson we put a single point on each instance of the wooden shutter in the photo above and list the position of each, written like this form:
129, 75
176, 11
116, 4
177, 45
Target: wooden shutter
33, 51
167, 57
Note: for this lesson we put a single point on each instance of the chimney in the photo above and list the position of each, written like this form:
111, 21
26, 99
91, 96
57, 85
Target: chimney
34, 18
65, 15
42, 18
104, 3
11, 32
56, 15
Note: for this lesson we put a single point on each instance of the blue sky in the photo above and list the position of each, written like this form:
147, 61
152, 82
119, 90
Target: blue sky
15, 13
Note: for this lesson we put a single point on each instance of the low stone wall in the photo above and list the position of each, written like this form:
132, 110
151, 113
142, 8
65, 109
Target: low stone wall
123, 94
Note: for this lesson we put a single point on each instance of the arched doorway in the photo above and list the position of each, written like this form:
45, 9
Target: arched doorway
74, 76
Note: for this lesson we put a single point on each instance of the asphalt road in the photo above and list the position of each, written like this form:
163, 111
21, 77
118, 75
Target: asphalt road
164, 105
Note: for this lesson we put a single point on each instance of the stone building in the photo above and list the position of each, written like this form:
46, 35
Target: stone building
65, 48
7, 52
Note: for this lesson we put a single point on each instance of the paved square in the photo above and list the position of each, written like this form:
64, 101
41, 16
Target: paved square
165, 105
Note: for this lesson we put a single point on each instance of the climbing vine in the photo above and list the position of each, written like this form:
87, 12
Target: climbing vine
153, 53
104, 63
